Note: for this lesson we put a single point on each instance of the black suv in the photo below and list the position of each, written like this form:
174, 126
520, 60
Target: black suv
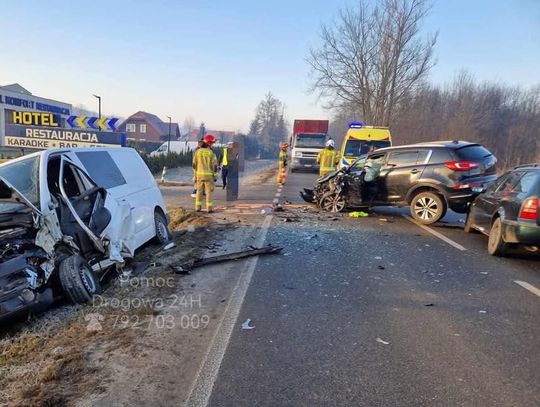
430, 177
507, 211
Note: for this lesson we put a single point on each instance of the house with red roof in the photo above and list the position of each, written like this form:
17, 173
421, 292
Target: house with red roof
146, 126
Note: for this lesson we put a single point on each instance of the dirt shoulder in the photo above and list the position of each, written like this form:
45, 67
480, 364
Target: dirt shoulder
139, 343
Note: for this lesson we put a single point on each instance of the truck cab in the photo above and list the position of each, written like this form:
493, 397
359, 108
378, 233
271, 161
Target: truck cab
308, 139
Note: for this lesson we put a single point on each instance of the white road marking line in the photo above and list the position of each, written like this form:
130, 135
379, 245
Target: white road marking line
528, 287
278, 194
436, 234
201, 390
275, 200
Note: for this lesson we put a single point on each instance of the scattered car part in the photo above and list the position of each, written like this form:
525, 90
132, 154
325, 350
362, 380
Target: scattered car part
225, 257
246, 325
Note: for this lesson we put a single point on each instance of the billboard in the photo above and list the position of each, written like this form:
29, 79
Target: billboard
39, 130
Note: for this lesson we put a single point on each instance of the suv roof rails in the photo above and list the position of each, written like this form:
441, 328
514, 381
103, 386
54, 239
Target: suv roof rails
527, 165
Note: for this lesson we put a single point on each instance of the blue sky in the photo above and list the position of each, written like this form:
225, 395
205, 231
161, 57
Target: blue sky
215, 60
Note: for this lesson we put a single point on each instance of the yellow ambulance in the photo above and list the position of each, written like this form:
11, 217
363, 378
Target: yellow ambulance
360, 140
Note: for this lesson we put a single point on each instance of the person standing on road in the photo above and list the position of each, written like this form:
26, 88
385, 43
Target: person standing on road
224, 162
282, 163
204, 169
328, 158
194, 193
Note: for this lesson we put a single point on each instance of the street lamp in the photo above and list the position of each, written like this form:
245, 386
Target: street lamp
169, 138
99, 104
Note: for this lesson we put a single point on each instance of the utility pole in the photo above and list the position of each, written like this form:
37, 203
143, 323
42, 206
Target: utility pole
99, 105
169, 138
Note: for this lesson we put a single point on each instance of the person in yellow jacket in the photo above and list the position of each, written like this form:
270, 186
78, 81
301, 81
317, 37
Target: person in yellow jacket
328, 158
204, 171
282, 163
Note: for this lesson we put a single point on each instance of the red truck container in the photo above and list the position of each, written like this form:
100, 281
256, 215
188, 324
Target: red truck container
309, 137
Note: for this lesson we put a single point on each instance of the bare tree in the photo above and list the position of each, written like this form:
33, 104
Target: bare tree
189, 125
372, 58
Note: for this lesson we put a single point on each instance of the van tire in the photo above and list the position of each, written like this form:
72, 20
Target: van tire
427, 207
78, 280
162, 229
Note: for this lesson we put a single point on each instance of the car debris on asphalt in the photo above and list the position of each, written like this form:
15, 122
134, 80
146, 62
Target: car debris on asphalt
358, 214
252, 251
383, 342
246, 325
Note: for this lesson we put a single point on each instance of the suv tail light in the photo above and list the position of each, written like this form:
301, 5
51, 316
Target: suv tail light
529, 209
461, 165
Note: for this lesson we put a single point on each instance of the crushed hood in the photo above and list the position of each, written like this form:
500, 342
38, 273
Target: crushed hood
10, 194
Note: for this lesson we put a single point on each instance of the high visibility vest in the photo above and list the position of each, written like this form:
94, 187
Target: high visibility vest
204, 163
328, 160
282, 157
224, 159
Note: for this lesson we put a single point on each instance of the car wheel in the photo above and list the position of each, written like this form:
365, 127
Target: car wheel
162, 230
78, 280
469, 226
496, 244
427, 207
332, 202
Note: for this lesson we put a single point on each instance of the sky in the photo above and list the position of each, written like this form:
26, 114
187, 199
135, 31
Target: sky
215, 60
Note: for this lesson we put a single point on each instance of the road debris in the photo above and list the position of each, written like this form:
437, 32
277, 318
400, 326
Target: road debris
246, 325
191, 228
430, 304
386, 220
278, 208
378, 258
358, 214
383, 342
482, 311
381, 267
252, 251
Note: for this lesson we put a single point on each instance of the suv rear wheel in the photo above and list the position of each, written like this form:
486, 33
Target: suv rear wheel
427, 207
78, 280
496, 244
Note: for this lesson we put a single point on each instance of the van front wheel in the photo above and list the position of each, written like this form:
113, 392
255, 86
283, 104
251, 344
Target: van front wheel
162, 230
78, 280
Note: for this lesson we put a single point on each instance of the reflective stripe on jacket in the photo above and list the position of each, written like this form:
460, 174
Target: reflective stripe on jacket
328, 160
204, 163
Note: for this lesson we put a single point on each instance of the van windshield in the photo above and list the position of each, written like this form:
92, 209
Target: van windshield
356, 148
310, 140
24, 176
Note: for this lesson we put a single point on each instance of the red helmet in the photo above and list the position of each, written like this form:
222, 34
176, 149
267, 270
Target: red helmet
209, 139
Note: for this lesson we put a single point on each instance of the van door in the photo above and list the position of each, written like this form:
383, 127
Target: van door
85, 201
402, 169
126, 178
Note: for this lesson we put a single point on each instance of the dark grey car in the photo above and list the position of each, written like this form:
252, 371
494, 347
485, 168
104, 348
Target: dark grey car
507, 211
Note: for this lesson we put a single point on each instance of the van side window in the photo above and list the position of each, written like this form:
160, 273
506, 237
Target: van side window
102, 168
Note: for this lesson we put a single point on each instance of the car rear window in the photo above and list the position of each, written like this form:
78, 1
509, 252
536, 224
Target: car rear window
439, 156
102, 168
473, 153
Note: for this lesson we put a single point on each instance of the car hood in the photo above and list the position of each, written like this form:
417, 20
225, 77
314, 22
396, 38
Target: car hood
10, 194
328, 176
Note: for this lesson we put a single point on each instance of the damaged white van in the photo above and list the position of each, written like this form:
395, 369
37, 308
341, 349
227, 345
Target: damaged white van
68, 215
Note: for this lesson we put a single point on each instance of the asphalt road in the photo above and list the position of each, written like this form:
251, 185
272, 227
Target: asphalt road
367, 312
